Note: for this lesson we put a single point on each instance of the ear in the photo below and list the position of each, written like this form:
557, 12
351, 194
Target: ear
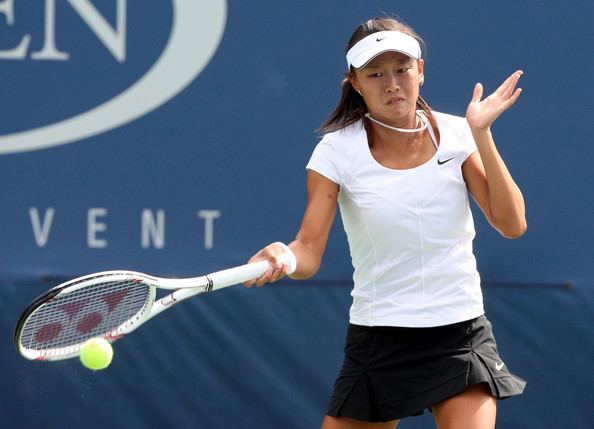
421, 65
352, 78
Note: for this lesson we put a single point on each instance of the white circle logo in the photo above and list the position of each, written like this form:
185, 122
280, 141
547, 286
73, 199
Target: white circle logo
198, 27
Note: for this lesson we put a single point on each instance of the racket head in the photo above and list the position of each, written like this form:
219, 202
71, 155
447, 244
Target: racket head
109, 305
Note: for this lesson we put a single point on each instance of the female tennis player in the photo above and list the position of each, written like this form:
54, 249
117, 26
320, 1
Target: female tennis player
418, 337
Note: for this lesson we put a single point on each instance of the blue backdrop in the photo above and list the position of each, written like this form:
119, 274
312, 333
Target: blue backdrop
171, 137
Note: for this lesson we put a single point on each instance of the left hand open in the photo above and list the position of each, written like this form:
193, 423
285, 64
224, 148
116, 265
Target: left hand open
481, 114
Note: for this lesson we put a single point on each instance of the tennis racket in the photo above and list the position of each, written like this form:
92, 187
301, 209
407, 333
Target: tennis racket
111, 304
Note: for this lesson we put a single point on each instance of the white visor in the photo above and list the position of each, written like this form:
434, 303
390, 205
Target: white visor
383, 41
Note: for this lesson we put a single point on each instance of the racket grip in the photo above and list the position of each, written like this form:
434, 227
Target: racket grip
243, 273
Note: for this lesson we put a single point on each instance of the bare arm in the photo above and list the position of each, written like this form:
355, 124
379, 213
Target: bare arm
310, 243
486, 175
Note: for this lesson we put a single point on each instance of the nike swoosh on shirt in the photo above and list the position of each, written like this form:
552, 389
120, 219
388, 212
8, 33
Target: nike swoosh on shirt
498, 366
440, 162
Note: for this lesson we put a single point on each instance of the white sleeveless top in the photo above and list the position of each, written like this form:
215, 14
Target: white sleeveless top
409, 231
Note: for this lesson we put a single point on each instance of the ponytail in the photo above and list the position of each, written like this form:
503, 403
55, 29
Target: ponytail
422, 104
349, 110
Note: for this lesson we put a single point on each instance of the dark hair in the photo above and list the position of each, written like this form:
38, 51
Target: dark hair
351, 107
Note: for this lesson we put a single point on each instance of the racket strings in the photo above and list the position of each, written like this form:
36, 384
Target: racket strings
87, 311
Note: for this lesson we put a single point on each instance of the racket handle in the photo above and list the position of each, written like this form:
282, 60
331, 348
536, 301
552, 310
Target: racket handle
243, 273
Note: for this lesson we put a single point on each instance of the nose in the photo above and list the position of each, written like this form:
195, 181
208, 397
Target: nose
391, 84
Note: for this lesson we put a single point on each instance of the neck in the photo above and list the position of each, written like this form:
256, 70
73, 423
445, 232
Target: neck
420, 128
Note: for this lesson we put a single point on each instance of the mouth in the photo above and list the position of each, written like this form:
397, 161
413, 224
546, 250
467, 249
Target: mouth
395, 100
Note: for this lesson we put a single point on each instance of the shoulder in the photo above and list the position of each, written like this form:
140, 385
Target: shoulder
451, 123
332, 154
346, 134
343, 141
455, 132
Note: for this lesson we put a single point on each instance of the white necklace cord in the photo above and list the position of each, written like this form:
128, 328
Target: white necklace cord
401, 130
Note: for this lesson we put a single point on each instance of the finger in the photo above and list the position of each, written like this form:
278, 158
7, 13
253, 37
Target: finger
278, 273
282, 272
274, 273
509, 102
506, 83
264, 278
275, 262
271, 275
507, 88
258, 281
514, 96
477, 94
257, 257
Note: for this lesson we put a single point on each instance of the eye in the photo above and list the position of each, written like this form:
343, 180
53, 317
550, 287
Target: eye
376, 74
403, 70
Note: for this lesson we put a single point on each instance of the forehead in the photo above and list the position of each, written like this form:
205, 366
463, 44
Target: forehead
389, 57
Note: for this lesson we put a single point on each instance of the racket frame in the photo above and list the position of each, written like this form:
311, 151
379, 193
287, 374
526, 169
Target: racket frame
182, 290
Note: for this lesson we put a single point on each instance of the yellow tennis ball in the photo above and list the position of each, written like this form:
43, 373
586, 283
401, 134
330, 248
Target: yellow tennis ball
96, 354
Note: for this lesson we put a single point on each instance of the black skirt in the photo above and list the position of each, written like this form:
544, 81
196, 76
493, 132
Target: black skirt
390, 373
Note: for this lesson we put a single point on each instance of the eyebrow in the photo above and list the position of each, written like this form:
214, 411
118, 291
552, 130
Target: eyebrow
374, 63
